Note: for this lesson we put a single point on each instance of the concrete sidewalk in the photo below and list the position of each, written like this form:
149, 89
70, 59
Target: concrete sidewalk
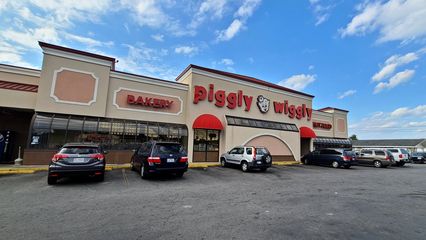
27, 169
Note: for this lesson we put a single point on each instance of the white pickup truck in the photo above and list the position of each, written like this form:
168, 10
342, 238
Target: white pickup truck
400, 155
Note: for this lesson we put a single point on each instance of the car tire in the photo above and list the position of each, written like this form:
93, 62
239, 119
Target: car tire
244, 166
306, 161
179, 174
377, 164
223, 162
335, 164
52, 180
143, 172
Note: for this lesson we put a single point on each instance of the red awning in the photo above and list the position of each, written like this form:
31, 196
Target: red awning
207, 121
306, 132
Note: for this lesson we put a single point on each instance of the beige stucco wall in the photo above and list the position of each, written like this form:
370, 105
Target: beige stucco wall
45, 103
18, 99
332, 117
113, 111
230, 139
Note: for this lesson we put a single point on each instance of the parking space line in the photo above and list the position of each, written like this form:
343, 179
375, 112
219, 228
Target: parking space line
126, 182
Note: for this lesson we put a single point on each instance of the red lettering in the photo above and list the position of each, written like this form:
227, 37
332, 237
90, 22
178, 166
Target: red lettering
309, 113
240, 98
247, 100
278, 107
232, 100
299, 112
130, 99
200, 94
211, 91
291, 111
220, 98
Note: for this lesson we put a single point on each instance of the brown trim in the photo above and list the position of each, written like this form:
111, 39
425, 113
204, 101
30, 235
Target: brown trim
18, 86
244, 78
75, 51
331, 108
152, 78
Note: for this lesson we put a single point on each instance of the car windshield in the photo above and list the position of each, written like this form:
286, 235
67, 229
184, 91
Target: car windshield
79, 150
349, 153
404, 151
168, 148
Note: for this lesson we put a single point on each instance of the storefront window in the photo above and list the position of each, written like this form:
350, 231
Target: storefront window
40, 131
51, 131
75, 128
58, 132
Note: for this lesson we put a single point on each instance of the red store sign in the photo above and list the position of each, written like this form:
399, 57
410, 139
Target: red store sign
326, 126
149, 101
238, 99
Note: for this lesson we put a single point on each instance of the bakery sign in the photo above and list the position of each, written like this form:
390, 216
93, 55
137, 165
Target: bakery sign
143, 101
238, 99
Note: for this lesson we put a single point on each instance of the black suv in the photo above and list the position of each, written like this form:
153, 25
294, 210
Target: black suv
76, 159
334, 157
159, 157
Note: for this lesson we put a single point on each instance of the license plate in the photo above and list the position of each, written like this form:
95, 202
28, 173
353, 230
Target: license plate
419, 158
170, 160
78, 160
259, 162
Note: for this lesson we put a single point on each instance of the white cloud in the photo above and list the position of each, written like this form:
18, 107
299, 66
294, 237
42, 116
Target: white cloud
89, 42
311, 67
298, 82
10, 54
395, 20
245, 11
321, 10
215, 8
226, 61
392, 63
347, 94
186, 50
158, 37
404, 122
29, 37
394, 81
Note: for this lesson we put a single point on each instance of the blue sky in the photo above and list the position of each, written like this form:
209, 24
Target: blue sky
364, 56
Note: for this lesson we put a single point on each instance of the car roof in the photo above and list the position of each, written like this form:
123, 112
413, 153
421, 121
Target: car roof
81, 144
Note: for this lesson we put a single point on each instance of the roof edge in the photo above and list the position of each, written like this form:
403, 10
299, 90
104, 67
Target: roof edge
332, 108
243, 78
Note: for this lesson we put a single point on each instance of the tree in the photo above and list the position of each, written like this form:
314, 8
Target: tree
353, 137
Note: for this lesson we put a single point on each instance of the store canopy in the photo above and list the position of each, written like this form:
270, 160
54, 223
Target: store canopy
207, 121
306, 132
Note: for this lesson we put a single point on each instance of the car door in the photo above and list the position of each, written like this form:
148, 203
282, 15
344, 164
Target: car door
314, 157
230, 156
366, 157
323, 157
137, 156
239, 155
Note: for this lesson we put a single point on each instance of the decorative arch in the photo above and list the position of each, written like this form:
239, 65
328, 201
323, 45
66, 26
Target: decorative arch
272, 142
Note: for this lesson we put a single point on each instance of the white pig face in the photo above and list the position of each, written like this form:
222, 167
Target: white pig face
263, 103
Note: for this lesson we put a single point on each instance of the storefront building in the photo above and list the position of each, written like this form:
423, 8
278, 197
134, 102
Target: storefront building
79, 96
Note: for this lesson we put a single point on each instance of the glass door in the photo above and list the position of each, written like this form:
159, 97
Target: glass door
206, 145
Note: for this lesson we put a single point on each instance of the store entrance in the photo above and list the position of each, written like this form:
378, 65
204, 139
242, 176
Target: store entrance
206, 145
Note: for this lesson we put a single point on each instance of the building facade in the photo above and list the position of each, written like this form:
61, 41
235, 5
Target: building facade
78, 96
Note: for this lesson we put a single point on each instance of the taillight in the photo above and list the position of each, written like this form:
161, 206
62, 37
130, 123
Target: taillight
254, 154
183, 159
58, 157
347, 158
98, 156
156, 160
388, 158
400, 156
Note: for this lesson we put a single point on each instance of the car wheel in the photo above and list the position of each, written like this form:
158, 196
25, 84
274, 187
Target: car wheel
223, 162
306, 161
377, 164
52, 180
244, 166
335, 164
143, 172
179, 174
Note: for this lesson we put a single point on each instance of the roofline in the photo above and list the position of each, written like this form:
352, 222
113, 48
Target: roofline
75, 51
332, 108
26, 68
242, 77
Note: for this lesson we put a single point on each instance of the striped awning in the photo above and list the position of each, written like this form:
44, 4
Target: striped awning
18, 86
337, 141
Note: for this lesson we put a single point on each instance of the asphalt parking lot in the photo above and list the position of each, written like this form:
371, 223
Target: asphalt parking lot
297, 202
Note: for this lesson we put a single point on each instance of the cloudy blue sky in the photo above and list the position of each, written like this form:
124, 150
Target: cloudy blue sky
364, 56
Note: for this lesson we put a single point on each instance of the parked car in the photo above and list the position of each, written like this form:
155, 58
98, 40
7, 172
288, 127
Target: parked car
400, 155
159, 157
418, 157
77, 159
375, 157
247, 157
331, 157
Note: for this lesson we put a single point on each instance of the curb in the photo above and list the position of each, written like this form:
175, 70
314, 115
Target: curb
203, 165
286, 163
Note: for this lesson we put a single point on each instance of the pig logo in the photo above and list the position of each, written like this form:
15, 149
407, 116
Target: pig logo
263, 103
